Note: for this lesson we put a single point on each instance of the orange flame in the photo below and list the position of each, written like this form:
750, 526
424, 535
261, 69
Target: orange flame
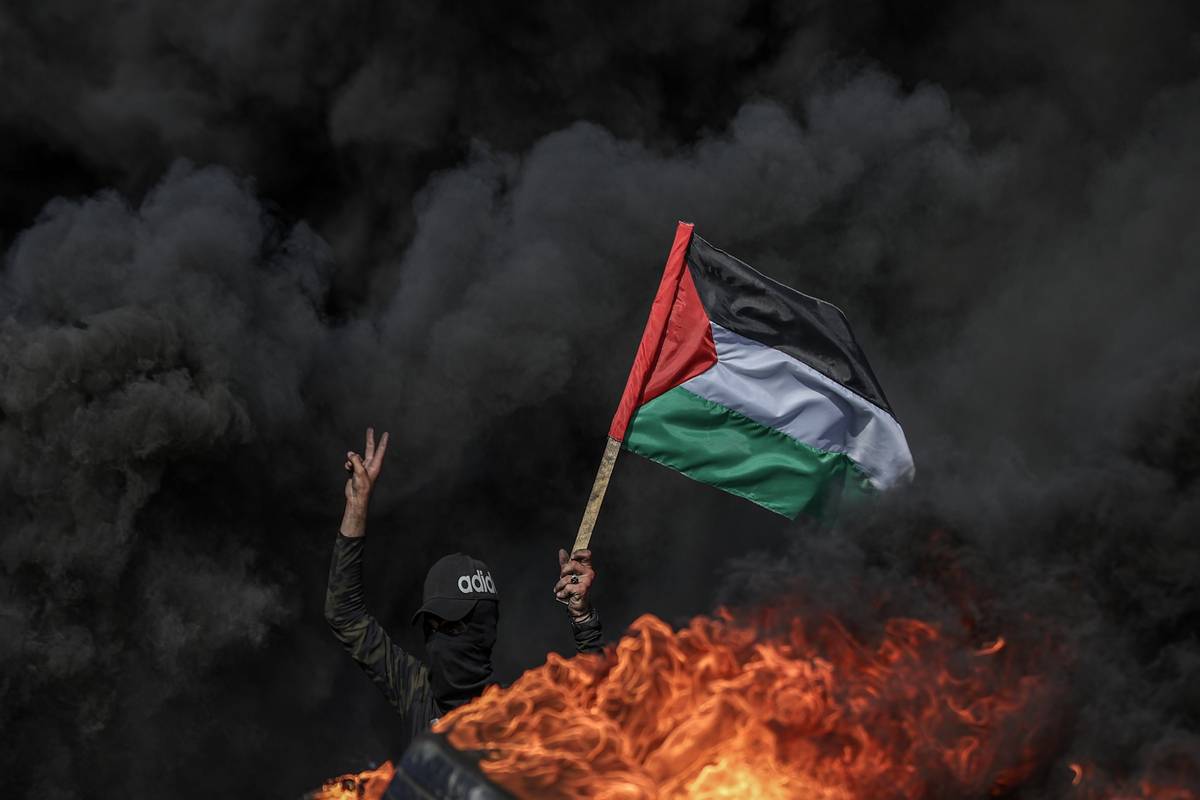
725, 709
368, 785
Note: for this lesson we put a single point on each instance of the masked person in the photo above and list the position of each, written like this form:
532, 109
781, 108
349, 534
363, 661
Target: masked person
459, 612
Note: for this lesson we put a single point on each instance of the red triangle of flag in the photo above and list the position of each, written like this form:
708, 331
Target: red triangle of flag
677, 344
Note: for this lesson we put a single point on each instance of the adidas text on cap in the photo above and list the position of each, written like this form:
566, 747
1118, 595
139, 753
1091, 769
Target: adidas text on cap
453, 586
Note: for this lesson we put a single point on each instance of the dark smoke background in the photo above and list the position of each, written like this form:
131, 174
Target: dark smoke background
237, 233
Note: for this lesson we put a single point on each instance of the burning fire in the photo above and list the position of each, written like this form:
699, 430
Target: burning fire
727, 709
763, 709
368, 785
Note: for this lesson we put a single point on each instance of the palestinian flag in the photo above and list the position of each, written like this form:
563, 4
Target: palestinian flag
755, 388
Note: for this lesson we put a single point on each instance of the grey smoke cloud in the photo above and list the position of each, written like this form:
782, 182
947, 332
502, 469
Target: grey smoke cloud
486, 203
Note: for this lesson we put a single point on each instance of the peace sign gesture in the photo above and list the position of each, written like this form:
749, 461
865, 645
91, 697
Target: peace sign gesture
363, 472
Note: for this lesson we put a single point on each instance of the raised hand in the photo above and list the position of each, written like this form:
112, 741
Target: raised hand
364, 470
575, 577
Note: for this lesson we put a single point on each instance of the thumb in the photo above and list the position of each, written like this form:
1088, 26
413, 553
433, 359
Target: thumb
562, 558
359, 470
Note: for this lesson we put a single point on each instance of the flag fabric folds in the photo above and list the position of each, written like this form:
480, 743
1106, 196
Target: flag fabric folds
747, 385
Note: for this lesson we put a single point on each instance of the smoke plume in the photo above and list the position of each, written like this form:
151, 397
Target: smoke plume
235, 236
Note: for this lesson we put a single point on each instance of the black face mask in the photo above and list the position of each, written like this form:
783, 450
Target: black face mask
460, 655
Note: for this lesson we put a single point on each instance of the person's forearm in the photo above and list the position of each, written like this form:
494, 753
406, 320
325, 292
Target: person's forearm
588, 632
354, 520
345, 608
398, 675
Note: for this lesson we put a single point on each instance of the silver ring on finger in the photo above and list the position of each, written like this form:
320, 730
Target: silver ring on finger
574, 579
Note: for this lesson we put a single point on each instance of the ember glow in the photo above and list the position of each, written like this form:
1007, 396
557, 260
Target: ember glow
368, 785
729, 708
1179, 774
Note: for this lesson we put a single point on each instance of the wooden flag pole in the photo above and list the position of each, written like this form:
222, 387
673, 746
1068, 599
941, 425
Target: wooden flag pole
644, 364
597, 497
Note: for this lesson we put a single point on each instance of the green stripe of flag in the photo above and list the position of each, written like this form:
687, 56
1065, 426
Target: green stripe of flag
715, 445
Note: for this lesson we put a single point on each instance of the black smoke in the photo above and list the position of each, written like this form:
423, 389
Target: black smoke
234, 236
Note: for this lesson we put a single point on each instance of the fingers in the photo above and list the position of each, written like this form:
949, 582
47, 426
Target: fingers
372, 457
375, 461
574, 567
356, 462
565, 590
566, 583
575, 578
570, 568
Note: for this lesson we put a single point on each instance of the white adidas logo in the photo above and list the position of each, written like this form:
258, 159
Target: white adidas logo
479, 582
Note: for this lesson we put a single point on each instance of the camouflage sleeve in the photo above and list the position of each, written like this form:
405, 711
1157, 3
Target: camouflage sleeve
588, 633
403, 679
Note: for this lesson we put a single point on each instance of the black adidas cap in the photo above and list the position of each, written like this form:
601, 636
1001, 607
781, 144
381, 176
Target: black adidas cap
454, 585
